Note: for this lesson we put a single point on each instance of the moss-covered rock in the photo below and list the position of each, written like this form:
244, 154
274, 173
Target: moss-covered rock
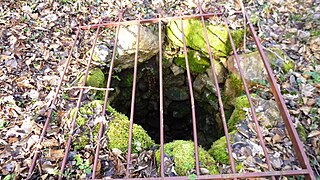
195, 37
118, 134
197, 62
233, 88
117, 129
239, 113
219, 150
95, 78
86, 129
183, 155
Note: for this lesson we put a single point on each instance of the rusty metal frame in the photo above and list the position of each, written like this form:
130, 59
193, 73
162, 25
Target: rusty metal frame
298, 147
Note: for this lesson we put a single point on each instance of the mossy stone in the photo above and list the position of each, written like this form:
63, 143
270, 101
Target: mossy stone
219, 150
197, 62
117, 129
183, 154
84, 125
233, 88
195, 37
238, 113
118, 134
95, 78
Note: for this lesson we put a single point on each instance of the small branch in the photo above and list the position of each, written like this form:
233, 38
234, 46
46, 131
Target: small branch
88, 87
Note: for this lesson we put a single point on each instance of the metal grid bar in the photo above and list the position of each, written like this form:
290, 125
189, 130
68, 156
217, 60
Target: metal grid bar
133, 99
52, 106
161, 103
67, 148
222, 113
253, 111
194, 121
106, 98
303, 160
298, 147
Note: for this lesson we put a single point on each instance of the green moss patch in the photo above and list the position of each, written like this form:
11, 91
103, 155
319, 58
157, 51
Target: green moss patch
117, 129
118, 134
195, 37
239, 113
197, 62
95, 78
184, 160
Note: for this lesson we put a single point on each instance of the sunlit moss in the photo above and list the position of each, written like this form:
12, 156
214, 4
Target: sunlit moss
239, 113
195, 37
117, 129
183, 154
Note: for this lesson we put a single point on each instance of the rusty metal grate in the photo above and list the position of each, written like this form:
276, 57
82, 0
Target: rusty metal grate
298, 147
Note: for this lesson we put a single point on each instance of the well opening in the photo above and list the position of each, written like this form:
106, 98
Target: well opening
177, 106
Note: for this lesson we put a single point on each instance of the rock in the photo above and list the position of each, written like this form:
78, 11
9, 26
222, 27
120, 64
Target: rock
303, 35
102, 55
183, 154
233, 88
200, 82
174, 80
254, 71
176, 70
267, 111
148, 47
253, 66
195, 38
220, 71
176, 93
95, 78
206, 80
117, 131
197, 62
269, 115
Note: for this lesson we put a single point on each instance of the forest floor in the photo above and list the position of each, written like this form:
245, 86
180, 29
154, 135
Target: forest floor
36, 36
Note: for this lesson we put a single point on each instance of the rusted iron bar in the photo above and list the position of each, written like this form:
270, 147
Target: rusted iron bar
155, 20
96, 157
236, 175
133, 101
253, 112
67, 148
298, 147
194, 121
161, 104
221, 108
52, 106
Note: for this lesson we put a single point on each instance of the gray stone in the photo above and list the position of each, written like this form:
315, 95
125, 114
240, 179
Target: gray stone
148, 45
174, 81
177, 94
200, 82
176, 70
220, 71
253, 67
102, 55
126, 49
